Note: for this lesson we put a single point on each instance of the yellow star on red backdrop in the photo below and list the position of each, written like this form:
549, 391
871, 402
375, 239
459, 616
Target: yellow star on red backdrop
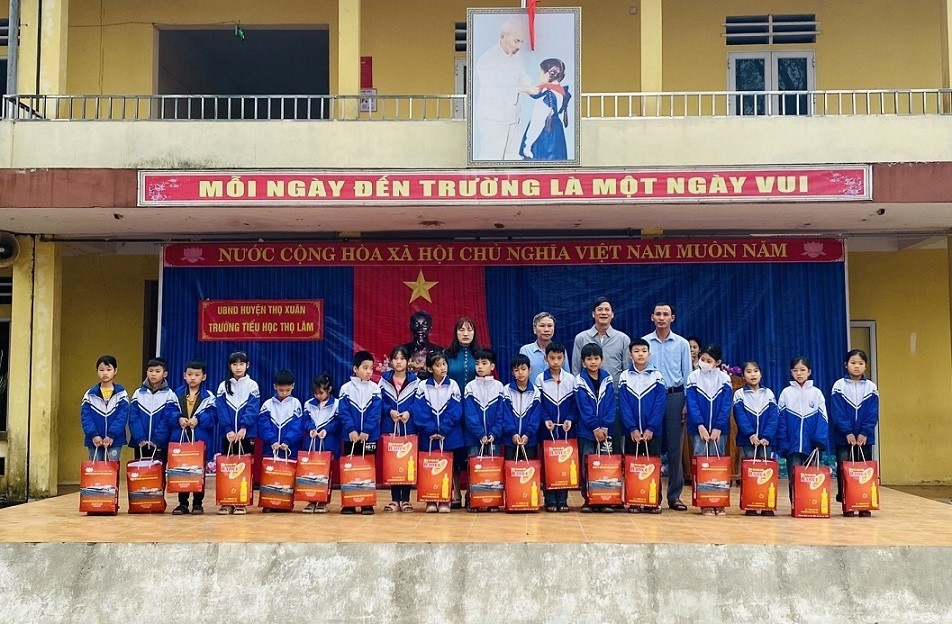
420, 288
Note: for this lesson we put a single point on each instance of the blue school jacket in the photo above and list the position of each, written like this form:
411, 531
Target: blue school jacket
854, 408
756, 412
521, 413
151, 414
595, 411
390, 399
803, 420
556, 403
643, 398
206, 412
280, 422
708, 397
106, 419
483, 410
239, 408
359, 409
319, 417
438, 409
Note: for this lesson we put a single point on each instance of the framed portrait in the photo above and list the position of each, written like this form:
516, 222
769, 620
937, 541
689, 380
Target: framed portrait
523, 109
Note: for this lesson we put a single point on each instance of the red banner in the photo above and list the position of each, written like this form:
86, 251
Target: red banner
548, 253
260, 319
402, 187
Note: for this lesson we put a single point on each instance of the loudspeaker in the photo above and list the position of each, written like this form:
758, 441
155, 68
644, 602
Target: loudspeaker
9, 249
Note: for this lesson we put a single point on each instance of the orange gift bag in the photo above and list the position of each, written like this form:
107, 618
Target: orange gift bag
604, 478
485, 480
185, 466
312, 476
277, 483
560, 460
642, 478
99, 485
145, 485
435, 476
399, 457
712, 480
860, 482
759, 479
233, 479
358, 481
811, 489
523, 483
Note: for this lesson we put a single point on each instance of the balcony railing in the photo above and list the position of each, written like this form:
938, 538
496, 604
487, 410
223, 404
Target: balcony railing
446, 107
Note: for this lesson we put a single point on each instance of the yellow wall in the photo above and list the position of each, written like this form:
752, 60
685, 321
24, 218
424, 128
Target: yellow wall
907, 294
123, 33
862, 44
103, 302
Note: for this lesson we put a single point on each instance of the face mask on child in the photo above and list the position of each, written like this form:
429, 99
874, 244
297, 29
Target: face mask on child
705, 367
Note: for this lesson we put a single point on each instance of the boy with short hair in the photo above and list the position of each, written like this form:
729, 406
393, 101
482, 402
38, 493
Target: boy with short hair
595, 399
153, 408
280, 427
104, 412
196, 422
521, 410
359, 413
558, 411
642, 395
483, 406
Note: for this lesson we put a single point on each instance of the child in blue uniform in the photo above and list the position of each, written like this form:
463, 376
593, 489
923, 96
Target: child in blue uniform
152, 409
757, 417
595, 399
483, 408
708, 399
397, 389
438, 412
321, 423
104, 413
803, 423
195, 423
558, 411
642, 395
854, 410
359, 413
238, 403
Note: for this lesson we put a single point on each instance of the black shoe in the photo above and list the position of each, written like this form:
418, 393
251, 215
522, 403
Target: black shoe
564, 509
608, 509
551, 508
651, 510
767, 512
677, 505
456, 505
348, 511
750, 512
866, 514
839, 498
849, 514
367, 511
267, 510
181, 510
197, 510
586, 508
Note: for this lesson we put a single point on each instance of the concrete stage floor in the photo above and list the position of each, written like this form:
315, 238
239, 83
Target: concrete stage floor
905, 520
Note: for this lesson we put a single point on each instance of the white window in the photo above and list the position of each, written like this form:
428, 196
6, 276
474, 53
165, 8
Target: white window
771, 71
459, 81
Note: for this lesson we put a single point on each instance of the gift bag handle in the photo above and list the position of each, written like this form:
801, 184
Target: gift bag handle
441, 446
182, 437
717, 451
815, 454
522, 447
396, 429
483, 446
862, 455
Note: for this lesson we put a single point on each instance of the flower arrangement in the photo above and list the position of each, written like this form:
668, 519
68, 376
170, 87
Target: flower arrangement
733, 371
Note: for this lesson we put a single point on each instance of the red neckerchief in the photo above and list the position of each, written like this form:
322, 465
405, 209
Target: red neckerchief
553, 86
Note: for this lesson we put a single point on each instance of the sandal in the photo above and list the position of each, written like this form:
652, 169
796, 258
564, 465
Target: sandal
677, 506
309, 508
406, 507
240, 510
321, 508
366, 511
392, 506
224, 510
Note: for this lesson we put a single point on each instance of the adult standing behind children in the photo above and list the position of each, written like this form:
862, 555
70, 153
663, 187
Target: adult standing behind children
671, 354
615, 358
461, 368
543, 326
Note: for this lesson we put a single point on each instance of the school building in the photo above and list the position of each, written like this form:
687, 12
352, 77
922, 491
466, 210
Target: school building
277, 86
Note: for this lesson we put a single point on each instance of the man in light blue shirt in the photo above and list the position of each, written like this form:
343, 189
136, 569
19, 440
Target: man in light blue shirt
543, 326
671, 354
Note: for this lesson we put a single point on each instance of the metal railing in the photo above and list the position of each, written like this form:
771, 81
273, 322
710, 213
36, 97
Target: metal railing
234, 107
445, 107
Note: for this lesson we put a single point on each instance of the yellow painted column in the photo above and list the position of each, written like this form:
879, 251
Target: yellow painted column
348, 55
946, 27
51, 38
34, 372
651, 56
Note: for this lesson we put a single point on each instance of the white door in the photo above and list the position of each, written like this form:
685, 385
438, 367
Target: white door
771, 71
